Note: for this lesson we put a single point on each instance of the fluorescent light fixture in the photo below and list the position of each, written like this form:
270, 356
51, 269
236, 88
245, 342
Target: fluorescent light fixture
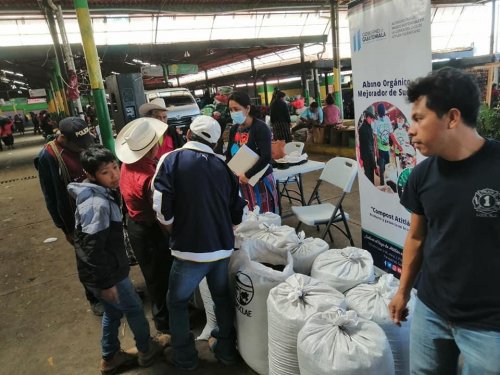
115, 73
7, 71
19, 74
440, 60
19, 82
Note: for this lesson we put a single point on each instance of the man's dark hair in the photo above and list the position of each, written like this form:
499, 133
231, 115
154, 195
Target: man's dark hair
314, 105
329, 99
94, 157
448, 88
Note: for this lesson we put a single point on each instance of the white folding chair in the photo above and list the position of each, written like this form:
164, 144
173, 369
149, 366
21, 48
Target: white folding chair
340, 172
284, 191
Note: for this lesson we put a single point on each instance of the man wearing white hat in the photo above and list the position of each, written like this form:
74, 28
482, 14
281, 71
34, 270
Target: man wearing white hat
172, 138
196, 199
136, 146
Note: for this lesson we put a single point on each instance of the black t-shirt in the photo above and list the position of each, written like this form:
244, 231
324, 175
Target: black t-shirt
461, 254
366, 141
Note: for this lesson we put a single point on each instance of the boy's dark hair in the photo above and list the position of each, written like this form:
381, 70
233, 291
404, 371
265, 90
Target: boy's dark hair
448, 88
313, 105
94, 157
329, 99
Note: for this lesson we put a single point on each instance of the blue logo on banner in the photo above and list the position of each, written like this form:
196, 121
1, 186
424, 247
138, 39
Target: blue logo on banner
356, 41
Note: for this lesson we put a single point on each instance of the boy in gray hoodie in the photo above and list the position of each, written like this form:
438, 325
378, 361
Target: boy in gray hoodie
102, 261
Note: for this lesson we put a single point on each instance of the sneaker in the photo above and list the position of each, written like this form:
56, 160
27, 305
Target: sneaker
169, 356
226, 361
163, 339
146, 359
97, 308
122, 360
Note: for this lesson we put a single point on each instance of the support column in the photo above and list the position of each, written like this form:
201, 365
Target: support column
67, 53
334, 20
325, 76
206, 82
303, 79
94, 71
59, 59
266, 97
317, 92
254, 75
492, 35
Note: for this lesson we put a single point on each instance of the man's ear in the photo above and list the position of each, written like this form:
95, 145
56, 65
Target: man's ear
455, 117
188, 134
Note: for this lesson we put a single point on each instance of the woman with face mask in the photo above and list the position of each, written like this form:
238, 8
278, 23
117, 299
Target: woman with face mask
254, 133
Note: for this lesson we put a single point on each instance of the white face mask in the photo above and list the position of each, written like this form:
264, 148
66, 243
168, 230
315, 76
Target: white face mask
238, 117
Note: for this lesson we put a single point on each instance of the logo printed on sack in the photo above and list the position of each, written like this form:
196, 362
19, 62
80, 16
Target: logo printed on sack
486, 202
244, 289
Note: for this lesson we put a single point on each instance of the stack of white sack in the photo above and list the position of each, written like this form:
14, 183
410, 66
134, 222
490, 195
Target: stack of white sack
208, 304
370, 301
345, 268
339, 342
304, 251
257, 268
288, 306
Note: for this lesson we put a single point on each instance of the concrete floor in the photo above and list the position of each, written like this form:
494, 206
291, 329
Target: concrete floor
46, 326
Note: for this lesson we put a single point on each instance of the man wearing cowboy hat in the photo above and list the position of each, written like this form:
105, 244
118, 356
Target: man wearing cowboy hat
196, 197
136, 146
172, 138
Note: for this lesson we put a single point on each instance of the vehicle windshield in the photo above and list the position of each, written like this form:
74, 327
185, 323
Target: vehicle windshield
178, 100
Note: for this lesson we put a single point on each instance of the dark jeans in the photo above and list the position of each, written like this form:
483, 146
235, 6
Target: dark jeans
130, 305
150, 246
369, 167
383, 159
184, 279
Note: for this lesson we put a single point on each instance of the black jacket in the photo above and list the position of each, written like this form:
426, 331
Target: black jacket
100, 248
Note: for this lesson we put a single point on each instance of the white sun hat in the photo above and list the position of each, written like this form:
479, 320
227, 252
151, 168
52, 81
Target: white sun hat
158, 104
137, 138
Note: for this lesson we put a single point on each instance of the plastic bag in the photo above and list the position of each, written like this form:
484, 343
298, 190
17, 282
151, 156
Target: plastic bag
304, 251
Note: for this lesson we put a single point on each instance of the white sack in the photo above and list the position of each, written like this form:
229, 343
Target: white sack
288, 306
370, 301
208, 303
252, 283
267, 217
304, 251
338, 342
345, 268
275, 235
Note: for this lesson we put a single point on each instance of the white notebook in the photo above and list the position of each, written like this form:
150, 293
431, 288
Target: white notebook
243, 160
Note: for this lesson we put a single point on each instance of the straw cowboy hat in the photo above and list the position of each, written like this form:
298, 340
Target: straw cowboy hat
137, 138
158, 104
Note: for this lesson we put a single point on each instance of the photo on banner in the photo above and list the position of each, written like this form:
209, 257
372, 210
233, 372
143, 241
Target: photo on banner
390, 46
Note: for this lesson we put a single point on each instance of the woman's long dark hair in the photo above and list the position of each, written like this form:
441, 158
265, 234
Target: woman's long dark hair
244, 100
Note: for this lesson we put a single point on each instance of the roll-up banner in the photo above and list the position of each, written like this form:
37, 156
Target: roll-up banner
390, 46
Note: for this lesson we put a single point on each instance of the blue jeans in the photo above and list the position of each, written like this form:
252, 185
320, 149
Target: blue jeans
185, 277
129, 304
436, 343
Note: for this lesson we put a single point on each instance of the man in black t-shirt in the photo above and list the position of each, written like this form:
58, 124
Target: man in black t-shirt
454, 236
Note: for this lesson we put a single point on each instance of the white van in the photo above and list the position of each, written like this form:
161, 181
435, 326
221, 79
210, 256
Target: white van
181, 105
